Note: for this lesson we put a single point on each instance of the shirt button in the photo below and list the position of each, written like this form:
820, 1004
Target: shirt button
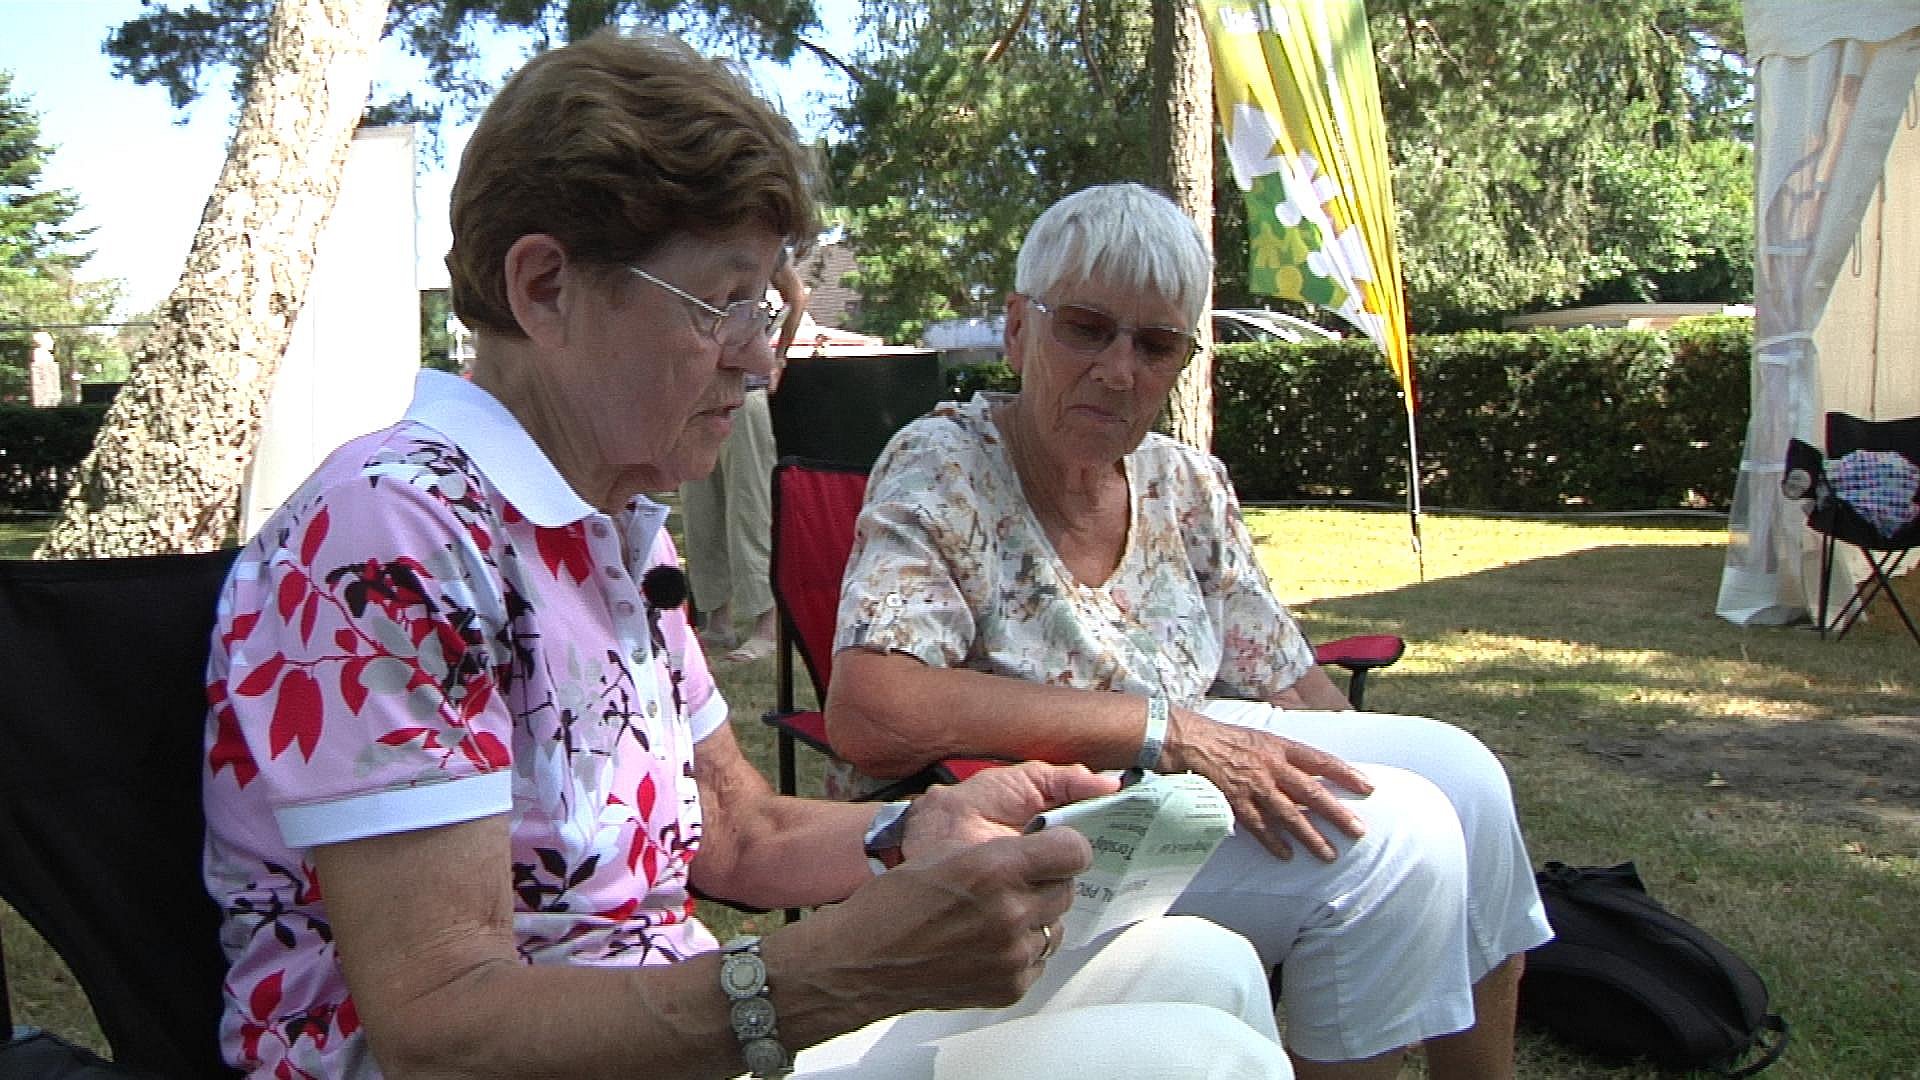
624, 608
600, 530
895, 600
639, 655
614, 572
653, 709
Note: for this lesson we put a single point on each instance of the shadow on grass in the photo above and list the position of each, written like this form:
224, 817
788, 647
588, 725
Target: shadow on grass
1766, 781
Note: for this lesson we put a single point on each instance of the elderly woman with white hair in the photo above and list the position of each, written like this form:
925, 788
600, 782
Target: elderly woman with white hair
1038, 576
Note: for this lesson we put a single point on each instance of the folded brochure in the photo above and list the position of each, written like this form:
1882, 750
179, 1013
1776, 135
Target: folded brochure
1149, 839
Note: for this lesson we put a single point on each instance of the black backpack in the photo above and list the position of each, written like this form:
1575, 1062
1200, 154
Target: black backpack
1625, 978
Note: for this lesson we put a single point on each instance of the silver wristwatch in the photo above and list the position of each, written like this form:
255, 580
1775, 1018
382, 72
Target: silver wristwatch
743, 978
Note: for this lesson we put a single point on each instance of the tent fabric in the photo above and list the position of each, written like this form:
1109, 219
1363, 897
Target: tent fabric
1833, 82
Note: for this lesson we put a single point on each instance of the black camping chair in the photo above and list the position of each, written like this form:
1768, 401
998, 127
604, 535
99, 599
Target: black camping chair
100, 821
1839, 522
845, 408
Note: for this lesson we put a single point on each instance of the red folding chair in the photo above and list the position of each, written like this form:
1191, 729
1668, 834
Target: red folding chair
815, 505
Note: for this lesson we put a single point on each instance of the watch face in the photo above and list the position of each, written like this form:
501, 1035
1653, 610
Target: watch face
753, 1017
742, 974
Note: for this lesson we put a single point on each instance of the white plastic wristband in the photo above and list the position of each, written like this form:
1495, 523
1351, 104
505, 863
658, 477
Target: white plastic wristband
1155, 739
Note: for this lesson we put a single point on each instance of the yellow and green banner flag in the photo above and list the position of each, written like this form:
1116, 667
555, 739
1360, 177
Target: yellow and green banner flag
1300, 107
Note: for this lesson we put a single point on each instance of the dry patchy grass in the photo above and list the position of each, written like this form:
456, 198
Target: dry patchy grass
1767, 782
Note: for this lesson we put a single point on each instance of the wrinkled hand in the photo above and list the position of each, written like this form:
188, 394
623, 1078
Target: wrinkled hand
1272, 783
955, 930
995, 802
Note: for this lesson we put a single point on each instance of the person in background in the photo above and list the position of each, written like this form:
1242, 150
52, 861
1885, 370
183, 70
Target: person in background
1037, 575
465, 762
729, 511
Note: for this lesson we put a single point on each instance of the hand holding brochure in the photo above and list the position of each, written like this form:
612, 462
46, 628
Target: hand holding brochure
1148, 839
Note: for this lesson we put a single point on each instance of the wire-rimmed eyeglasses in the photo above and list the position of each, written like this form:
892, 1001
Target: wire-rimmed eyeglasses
1086, 330
733, 326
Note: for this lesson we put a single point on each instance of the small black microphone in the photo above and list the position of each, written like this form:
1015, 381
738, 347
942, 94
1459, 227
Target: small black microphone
665, 587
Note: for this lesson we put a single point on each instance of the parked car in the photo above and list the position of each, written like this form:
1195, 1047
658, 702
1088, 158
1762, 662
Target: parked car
1236, 326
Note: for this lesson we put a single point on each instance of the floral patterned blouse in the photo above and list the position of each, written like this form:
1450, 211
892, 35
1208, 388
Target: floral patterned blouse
435, 628
949, 565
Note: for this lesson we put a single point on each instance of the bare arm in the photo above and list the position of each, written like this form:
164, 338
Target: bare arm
424, 925
890, 714
1313, 690
793, 293
749, 830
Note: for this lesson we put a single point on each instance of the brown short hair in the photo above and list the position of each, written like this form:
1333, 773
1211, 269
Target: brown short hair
612, 145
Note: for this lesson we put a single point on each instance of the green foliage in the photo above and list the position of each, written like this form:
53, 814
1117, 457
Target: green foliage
949, 156
1554, 420
1548, 152
34, 221
1545, 152
43, 451
436, 343
965, 381
38, 288
182, 48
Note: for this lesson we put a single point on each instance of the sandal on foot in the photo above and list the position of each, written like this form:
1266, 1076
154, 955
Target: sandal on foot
754, 649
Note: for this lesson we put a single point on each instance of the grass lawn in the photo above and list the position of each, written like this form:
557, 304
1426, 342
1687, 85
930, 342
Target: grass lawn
1766, 782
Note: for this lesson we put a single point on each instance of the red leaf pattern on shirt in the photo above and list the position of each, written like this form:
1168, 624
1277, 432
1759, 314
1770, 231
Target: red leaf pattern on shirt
261, 679
296, 715
352, 690
565, 549
265, 998
293, 589
315, 535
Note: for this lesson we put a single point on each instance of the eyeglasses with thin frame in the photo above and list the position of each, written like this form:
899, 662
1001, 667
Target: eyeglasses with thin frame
1165, 349
733, 326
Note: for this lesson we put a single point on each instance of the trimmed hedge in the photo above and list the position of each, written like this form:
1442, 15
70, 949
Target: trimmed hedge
41, 451
1548, 420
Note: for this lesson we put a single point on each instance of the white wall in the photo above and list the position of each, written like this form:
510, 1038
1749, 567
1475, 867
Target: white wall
356, 345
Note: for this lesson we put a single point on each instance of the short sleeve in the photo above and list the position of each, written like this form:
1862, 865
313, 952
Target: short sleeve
364, 642
1263, 649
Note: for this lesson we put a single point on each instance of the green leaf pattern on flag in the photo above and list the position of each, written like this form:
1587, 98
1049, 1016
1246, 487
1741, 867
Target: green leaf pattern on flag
1285, 242
1299, 104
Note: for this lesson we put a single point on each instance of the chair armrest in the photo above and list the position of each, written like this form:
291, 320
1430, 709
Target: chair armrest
1362, 652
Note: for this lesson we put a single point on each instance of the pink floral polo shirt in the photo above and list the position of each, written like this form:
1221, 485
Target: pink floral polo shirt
434, 629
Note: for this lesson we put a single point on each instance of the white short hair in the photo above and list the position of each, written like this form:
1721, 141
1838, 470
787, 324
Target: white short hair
1126, 234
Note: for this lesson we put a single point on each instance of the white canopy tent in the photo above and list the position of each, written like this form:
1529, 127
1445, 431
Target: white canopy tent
1837, 284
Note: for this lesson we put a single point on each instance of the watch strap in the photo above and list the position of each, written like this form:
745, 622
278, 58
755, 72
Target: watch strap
886, 836
743, 978
1153, 741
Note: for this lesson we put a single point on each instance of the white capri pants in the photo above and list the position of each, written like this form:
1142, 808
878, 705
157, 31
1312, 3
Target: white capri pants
1380, 948
1163, 998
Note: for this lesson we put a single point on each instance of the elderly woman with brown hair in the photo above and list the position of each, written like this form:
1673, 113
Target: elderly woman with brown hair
1037, 576
466, 763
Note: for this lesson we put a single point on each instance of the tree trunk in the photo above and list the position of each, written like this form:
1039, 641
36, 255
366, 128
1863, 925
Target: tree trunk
166, 471
1183, 142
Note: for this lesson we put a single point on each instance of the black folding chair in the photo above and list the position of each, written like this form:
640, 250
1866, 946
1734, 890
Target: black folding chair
1809, 476
101, 727
845, 408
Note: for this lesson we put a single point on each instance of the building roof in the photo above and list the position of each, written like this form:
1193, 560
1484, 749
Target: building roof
822, 269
